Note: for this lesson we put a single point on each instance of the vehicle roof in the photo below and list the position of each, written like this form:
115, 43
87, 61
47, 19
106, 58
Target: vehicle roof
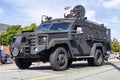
60, 20
72, 19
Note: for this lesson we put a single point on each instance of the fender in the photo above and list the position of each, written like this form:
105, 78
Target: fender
96, 45
61, 41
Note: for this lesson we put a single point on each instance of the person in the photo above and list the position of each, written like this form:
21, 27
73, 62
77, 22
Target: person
2, 54
72, 14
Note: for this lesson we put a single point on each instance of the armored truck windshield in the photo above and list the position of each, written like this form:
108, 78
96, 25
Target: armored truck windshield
54, 26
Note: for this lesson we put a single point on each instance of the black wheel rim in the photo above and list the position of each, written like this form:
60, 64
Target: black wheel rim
61, 58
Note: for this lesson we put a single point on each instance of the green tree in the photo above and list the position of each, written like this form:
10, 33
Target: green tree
31, 27
115, 45
5, 38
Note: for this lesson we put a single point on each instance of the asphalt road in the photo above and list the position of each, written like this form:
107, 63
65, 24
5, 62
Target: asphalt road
77, 71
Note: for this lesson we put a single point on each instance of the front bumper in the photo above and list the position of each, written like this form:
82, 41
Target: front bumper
38, 49
26, 50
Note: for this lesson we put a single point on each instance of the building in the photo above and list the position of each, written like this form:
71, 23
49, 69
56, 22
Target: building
3, 27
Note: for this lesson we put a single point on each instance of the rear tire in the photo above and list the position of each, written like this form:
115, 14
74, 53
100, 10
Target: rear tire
22, 63
59, 59
97, 60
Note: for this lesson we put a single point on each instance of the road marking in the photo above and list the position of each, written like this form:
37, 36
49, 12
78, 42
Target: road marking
47, 77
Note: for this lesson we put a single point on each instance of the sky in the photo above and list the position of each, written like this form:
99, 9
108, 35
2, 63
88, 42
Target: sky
25, 12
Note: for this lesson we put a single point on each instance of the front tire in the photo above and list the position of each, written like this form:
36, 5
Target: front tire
97, 60
22, 63
59, 59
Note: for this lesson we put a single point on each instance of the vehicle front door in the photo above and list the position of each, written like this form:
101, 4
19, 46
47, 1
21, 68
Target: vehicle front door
80, 45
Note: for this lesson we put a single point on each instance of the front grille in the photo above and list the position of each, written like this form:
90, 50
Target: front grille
32, 40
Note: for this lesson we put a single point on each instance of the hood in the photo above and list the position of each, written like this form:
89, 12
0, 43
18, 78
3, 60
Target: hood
27, 33
50, 31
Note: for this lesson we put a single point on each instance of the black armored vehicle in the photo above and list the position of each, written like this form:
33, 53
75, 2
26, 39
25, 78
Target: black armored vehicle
62, 41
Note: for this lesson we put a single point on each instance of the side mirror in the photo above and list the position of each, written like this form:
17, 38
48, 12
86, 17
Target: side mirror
79, 30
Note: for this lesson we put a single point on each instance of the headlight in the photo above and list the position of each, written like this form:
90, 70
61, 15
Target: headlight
36, 49
44, 40
13, 39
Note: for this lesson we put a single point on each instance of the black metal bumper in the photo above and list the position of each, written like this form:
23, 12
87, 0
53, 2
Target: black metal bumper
26, 50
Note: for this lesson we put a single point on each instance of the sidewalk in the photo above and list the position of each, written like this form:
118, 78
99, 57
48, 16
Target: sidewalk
115, 59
